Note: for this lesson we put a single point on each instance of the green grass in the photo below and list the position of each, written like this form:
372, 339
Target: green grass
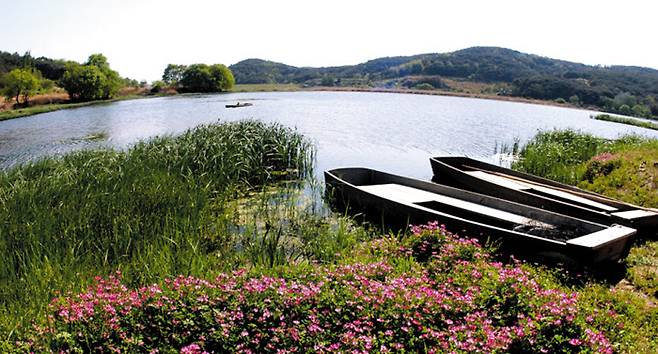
642, 268
560, 154
627, 121
163, 207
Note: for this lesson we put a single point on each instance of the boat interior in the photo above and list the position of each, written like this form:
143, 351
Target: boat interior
475, 207
450, 205
617, 209
447, 200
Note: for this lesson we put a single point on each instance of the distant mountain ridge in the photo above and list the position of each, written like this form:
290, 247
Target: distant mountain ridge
485, 63
616, 88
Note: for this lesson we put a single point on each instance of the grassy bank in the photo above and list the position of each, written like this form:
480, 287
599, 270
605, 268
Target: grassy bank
29, 111
51, 107
627, 121
623, 168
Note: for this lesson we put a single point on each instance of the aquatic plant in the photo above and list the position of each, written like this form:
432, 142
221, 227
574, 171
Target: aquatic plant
553, 154
625, 120
159, 208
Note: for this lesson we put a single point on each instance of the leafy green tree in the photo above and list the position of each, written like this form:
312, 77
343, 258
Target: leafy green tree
84, 82
173, 74
130, 82
157, 86
92, 81
197, 78
49, 68
98, 60
113, 81
46, 85
222, 76
625, 98
640, 110
206, 78
327, 81
20, 82
625, 110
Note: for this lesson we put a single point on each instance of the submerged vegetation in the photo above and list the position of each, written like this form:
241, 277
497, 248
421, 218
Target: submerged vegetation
212, 241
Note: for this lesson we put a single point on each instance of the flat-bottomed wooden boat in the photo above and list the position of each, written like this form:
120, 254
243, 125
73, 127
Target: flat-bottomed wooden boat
500, 182
521, 229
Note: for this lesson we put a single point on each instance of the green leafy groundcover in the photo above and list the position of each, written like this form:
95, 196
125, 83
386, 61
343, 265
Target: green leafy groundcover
431, 292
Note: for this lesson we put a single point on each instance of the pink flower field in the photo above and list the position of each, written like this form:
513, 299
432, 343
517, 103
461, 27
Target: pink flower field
432, 292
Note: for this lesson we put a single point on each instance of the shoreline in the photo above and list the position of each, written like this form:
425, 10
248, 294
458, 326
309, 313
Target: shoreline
245, 88
52, 107
449, 94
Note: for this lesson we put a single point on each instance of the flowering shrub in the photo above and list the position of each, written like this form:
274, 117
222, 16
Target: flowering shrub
600, 165
459, 300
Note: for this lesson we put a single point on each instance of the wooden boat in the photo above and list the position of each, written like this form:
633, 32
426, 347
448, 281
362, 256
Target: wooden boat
522, 229
481, 177
238, 105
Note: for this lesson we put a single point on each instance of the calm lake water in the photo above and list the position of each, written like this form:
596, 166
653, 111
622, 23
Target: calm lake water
391, 132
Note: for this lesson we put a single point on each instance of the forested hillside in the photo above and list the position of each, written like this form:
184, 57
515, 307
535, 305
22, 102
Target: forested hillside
623, 89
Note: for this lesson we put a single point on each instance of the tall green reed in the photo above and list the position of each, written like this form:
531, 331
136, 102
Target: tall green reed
157, 209
554, 154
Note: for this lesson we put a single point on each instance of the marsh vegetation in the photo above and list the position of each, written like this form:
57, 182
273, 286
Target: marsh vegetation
216, 240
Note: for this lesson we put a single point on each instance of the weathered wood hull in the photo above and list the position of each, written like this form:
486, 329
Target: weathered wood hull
481, 177
471, 214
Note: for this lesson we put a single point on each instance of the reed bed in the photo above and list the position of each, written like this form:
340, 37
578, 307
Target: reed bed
162, 208
627, 121
560, 154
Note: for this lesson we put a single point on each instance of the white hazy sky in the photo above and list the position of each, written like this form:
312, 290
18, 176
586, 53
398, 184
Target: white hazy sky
140, 37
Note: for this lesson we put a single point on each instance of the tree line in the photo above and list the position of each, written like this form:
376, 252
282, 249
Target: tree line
196, 78
22, 76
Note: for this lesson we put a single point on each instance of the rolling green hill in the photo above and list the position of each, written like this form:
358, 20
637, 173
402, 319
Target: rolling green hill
623, 89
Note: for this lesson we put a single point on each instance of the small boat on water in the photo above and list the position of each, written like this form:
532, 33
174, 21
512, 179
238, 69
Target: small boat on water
523, 188
522, 229
238, 105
